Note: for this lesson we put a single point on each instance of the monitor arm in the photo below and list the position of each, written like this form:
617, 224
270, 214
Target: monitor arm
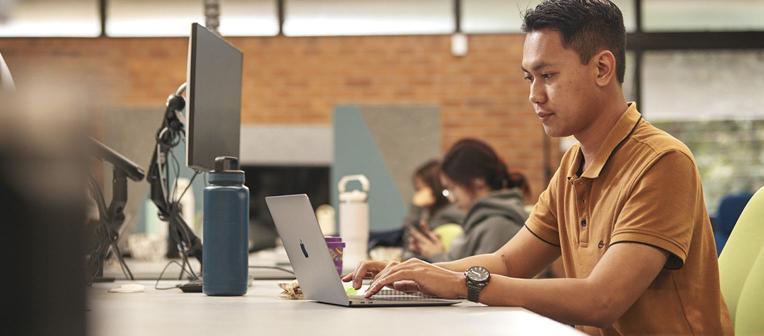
168, 136
112, 218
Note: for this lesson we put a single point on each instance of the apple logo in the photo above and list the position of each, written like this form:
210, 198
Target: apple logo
304, 250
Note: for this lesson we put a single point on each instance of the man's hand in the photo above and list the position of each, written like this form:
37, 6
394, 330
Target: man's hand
425, 277
366, 269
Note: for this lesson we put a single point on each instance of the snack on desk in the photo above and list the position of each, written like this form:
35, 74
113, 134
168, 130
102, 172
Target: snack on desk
291, 290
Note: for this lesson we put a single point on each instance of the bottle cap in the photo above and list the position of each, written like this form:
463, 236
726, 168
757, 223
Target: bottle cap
226, 163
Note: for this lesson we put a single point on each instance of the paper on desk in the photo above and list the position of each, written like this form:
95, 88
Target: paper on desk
128, 288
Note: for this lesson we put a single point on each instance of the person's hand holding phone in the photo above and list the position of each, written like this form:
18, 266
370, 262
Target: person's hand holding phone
424, 242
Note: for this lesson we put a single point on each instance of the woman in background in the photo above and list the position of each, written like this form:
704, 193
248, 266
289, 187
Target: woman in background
476, 180
431, 209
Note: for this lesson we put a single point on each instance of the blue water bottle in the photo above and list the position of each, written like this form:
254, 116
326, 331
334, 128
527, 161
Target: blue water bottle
226, 221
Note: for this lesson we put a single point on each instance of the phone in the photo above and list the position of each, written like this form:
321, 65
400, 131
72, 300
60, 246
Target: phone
418, 228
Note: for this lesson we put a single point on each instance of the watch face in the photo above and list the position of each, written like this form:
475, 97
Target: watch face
478, 273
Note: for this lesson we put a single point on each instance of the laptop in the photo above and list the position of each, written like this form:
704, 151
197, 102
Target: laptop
307, 251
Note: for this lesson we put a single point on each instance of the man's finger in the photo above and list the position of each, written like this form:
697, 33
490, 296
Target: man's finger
359, 273
385, 270
403, 273
407, 286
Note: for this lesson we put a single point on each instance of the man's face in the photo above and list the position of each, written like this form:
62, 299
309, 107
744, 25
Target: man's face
562, 90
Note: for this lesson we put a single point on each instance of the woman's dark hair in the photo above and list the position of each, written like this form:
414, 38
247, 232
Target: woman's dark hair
469, 159
429, 174
586, 26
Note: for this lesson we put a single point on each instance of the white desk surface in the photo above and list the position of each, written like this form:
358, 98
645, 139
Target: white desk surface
262, 312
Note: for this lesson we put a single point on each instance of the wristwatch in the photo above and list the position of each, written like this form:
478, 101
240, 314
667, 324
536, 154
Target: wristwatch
477, 278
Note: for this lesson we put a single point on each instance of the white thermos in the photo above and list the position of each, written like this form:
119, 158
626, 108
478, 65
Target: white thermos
354, 220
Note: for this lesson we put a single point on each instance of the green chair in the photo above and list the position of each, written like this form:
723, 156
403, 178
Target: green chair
739, 267
749, 319
447, 233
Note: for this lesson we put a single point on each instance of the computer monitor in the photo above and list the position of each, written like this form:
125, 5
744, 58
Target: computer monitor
214, 92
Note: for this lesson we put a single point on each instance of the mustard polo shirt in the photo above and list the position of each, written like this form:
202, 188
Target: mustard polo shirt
642, 187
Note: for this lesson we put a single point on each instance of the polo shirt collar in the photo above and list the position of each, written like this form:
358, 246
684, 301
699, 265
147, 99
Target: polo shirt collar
620, 131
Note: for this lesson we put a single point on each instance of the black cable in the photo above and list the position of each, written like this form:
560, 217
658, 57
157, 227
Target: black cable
167, 176
175, 208
156, 285
164, 163
177, 174
103, 245
183, 250
103, 248
122, 264
183, 268
100, 200
188, 186
274, 267
101, 205
184, 253
173, 205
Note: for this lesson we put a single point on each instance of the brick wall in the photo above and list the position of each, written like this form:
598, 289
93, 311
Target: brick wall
299, 80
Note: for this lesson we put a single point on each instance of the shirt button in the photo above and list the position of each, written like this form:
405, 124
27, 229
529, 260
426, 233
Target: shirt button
583, 222
601, 244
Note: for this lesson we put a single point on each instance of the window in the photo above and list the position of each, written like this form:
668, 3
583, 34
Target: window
368, 17
153, 18
712, 102
174, 17
499, 16
73, 18
703, 85
248, 18
684, 15
728, 154
629, 91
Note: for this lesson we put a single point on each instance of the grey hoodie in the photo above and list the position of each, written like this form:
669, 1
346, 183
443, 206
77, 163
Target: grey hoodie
489, 224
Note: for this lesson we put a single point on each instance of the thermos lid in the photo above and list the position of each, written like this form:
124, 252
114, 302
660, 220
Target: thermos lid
226, 172
354, 196
226, 163
342, 184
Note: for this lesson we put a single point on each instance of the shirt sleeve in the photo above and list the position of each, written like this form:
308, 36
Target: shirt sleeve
662, 207
542, 222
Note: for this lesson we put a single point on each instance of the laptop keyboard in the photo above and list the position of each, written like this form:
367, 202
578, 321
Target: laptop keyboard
396, 295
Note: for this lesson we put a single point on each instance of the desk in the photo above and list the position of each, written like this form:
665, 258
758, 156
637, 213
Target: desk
262, 312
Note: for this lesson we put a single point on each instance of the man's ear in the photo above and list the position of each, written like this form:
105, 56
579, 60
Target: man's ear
604, 62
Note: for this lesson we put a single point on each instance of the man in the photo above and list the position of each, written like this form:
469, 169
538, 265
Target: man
625, 209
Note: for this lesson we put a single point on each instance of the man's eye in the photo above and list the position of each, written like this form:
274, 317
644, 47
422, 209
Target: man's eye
547, 76
528, 78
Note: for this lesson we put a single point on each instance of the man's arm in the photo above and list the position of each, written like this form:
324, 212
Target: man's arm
617, 281
523, 256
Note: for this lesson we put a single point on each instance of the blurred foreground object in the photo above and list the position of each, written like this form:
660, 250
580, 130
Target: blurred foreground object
6, 80
43, 186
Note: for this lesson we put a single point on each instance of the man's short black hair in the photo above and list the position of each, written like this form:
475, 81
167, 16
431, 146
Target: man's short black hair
586, 26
